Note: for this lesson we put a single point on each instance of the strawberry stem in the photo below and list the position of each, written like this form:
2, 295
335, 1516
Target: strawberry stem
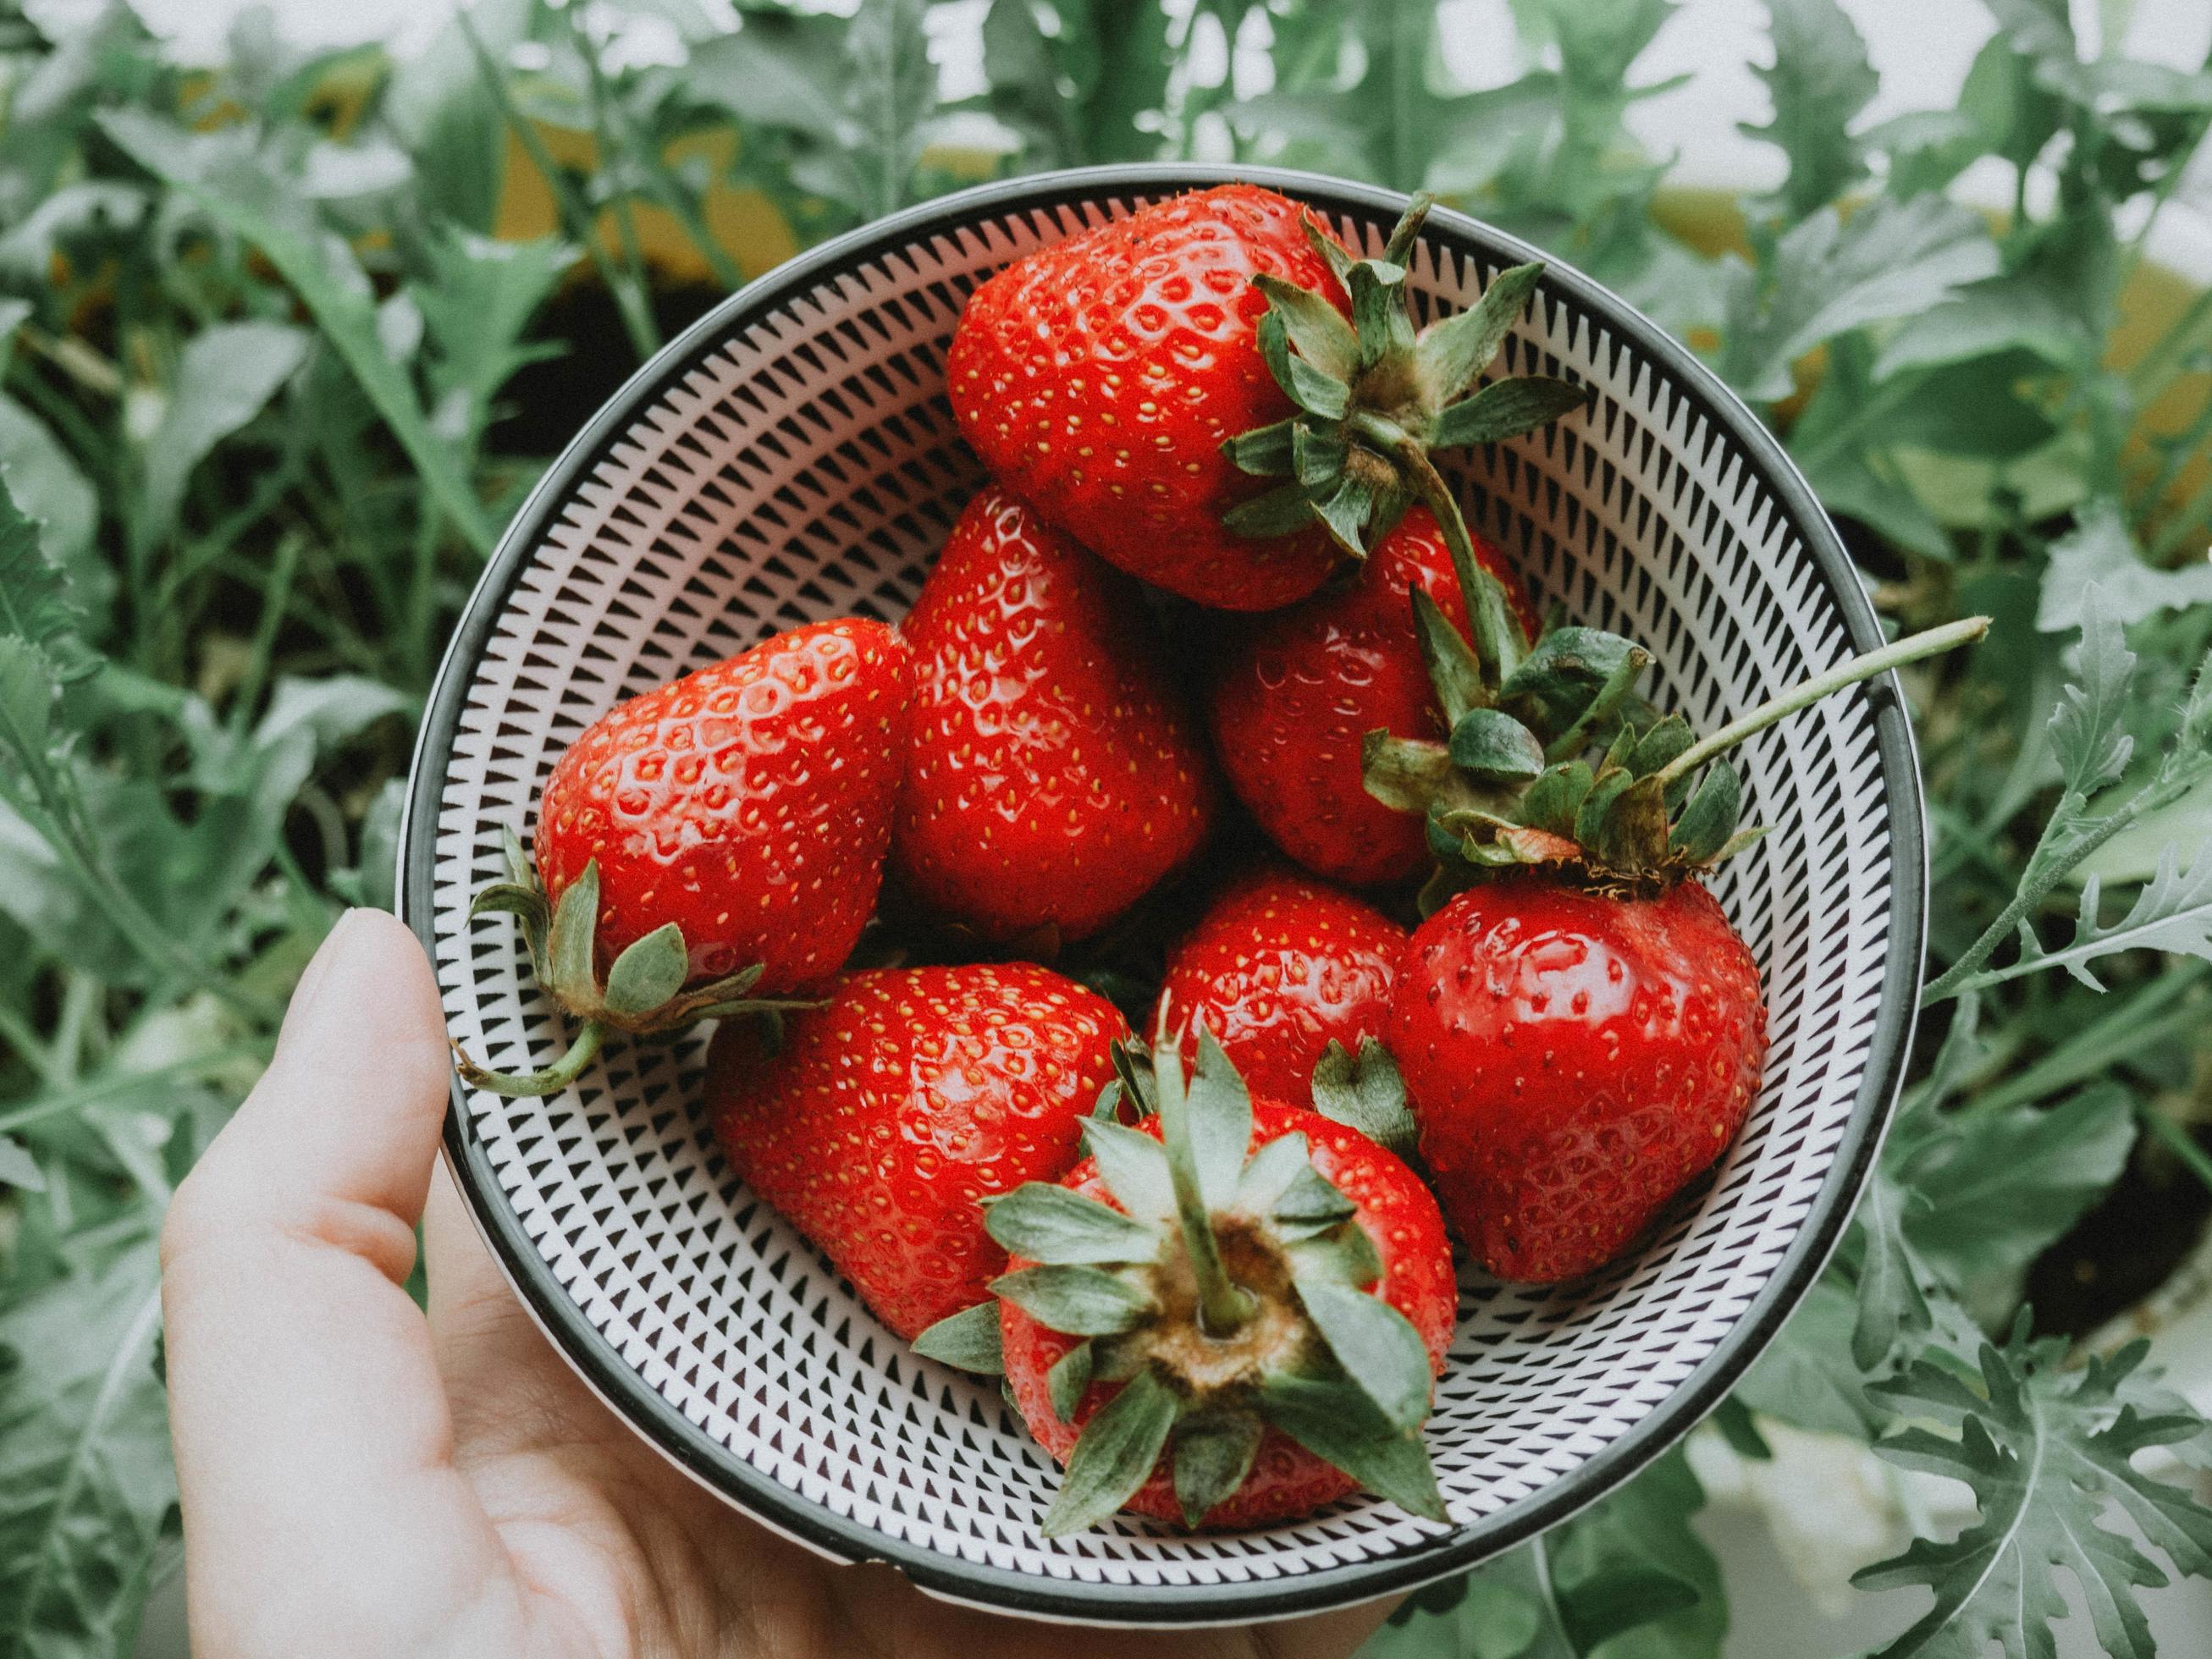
1498, 635
1932, 643
554, 1079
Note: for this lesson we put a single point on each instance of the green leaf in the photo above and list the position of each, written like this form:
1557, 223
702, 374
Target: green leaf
1706, 823
2045, 1450
1133, 1165
1365, 1093
1266, 451
1453, 670
1336, 1421
477, 300
1566, 671
1069, 1380
2099, 554
1377, 1345
1893, 1290
2173, 912
1340, 1251
1213, 1455
647, 975
1997, 1188
19, 1169
1051, 1224
1825, 277
1505, 408
1076, 1301
1115, 1455
50, 488
1309, 1202
1269, 1172
1453, 351
221, 173
84, 1458
1808, 1375
226, 375
1312, 325
1403, 773
1311, 387
1279, 512
968, 1340
571, 943
1220, 1122
1819, 82
1495, 747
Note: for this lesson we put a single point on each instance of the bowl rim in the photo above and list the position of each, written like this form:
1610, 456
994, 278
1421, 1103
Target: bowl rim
786, 1511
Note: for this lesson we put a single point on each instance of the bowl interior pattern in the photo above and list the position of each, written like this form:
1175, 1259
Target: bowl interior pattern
795, 457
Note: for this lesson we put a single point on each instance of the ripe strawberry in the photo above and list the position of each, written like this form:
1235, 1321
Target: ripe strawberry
1574, 1059
1579, 1030
1126, 380
1052, 776
1280, 967
1301, 690
888, 1113
1230, 1317
715, 842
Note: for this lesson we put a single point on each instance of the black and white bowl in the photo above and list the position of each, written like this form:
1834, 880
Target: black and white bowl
793, 457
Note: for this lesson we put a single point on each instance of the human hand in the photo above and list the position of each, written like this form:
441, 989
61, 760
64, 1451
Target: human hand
359, 1480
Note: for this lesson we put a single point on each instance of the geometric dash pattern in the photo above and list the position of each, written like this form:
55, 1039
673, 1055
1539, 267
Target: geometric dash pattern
794, 458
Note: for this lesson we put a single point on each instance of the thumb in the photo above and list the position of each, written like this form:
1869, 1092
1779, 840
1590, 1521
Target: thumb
311, 1433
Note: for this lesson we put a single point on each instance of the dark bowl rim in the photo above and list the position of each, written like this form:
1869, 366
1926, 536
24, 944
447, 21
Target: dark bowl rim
593, 1357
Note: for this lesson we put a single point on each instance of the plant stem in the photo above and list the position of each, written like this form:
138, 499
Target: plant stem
1221, 1307
554, 1079
2133, 1021
575, 215
1932, 643
1497, 637
2178, 1141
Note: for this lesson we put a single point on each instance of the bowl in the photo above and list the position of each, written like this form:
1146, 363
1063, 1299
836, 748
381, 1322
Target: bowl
792, 456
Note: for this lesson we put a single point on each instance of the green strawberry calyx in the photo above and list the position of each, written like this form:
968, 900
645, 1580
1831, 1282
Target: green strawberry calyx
1373, 398
1226, 1293
1555, 762
646, 992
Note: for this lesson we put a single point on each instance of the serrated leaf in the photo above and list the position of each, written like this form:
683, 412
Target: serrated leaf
2173, 912
1116, 1454
968, 1340
34, 600
1074, 1300
2099, 555
1377, 1345
1819, 82
2045, 1450
1051, 1224
1365, 1092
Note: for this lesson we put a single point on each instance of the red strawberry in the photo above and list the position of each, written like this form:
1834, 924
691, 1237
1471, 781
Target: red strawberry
1231, 1317
1053, 776
1574, 1059
1302, 690
1280, 967
715, 842
1579, 1031
888, 1113
1127, 380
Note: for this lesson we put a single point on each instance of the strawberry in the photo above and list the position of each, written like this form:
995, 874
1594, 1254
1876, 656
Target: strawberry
887, 1113
1301, 689
1578, 1029
1280, 967
1229, 1316
1052, 776
1574, 1059
713, 844
1131, 381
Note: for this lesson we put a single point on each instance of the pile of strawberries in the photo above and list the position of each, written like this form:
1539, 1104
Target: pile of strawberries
1211, 1260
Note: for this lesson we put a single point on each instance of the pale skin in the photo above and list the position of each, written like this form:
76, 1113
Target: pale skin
360, 1480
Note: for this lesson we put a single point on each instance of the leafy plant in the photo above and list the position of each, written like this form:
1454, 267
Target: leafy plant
275, 365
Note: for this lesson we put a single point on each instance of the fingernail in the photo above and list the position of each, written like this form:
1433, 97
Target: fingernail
315, 975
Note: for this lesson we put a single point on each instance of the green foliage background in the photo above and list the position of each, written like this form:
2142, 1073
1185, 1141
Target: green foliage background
271, 377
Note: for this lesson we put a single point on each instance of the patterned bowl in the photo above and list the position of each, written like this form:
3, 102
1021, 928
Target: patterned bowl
791, 457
